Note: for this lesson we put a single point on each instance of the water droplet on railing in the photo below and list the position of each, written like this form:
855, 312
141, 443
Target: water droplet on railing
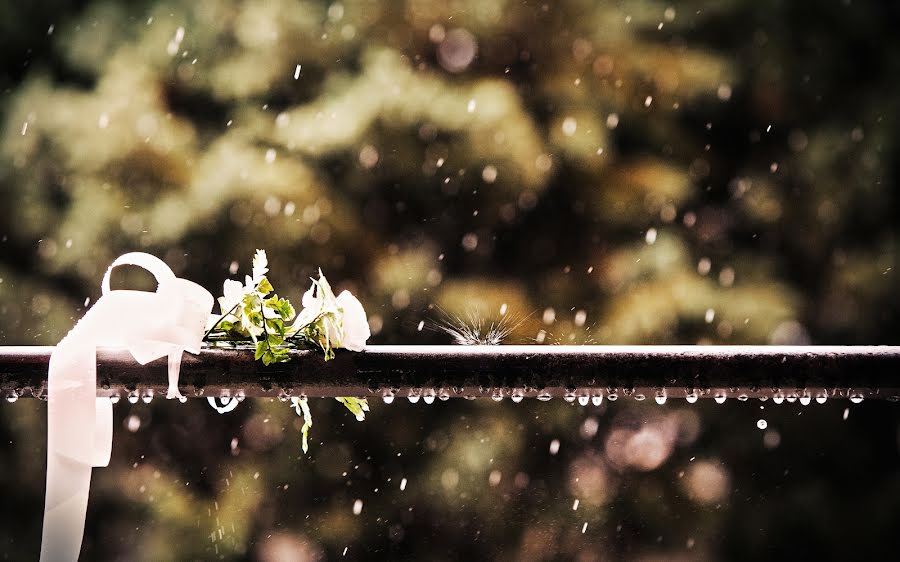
12, 396
661, 397
147, 397
428, 396
414, 395
597, 399
443, 395
742, 397
856, 398
612, 396
133, 397
691, 397
517, 395
720, 398
497, 395
791, 398
388, 396
569, 396
821, 398
543, 396
778, 398
639, 397
584, 400
114, 398
805, 399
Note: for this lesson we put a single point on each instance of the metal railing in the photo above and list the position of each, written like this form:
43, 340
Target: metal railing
639, 372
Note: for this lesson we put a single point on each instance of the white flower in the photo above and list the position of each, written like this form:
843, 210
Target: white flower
343, 318
353, 321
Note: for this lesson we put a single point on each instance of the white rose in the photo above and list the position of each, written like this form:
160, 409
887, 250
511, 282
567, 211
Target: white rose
354, 322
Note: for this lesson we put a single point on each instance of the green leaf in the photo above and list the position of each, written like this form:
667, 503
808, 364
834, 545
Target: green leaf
357, 406
264, 286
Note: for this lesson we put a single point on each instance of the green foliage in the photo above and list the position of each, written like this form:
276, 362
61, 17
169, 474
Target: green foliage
272, 324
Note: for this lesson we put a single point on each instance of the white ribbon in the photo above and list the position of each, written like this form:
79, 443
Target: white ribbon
79, 425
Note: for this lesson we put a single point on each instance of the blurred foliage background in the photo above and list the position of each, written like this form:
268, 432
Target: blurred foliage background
628, 172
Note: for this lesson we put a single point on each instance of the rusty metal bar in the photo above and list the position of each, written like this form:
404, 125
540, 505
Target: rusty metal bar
574, 372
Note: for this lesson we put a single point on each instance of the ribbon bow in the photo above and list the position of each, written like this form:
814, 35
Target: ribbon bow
79, 425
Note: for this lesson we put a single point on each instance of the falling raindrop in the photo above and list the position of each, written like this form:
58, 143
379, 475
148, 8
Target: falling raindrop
762, 424
357, 507
554, 446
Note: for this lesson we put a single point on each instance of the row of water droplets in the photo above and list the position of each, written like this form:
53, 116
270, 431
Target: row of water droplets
227, 401
595, 396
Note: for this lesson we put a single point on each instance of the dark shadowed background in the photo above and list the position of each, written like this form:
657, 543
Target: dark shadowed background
607, 172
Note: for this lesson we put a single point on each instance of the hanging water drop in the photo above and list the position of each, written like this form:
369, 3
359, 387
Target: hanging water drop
12, 396
597, 399
583, 400
821, 398
691, 397
517, 396
720, 398
544, 396
661, 397
133, 397
569, 396
778, 398
856, 398
388, 396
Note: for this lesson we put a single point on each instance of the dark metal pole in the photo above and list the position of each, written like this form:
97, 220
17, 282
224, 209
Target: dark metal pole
639, 372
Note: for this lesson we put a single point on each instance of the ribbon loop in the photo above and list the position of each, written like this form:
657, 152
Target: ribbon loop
151, 263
